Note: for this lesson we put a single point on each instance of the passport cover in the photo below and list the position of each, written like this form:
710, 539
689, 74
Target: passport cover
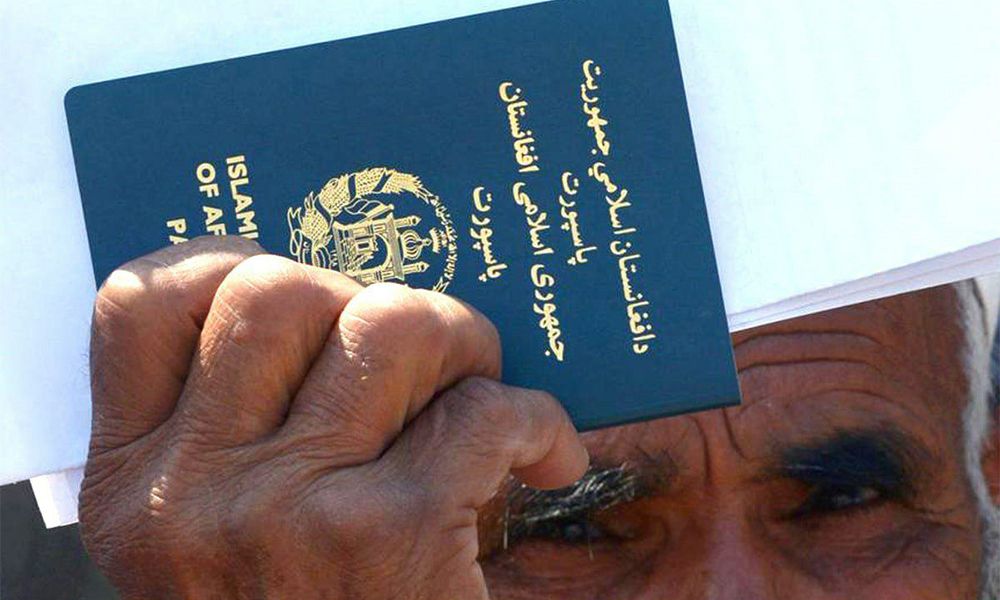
536, 162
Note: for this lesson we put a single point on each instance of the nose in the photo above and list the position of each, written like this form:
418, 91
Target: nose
724, 557
737, 566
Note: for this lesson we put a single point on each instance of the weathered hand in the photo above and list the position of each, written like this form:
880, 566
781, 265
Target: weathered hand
264, 429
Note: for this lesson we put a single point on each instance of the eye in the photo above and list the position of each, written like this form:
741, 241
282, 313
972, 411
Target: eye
837, 498
577, 530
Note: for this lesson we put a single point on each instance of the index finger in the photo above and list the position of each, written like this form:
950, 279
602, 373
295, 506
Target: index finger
147, 319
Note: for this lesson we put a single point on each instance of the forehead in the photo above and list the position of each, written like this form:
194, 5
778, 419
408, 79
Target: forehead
896, 362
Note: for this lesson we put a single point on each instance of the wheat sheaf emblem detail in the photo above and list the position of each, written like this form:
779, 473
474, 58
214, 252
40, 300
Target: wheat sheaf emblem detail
353, 225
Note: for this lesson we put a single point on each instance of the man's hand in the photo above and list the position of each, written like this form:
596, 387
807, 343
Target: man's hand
264, 429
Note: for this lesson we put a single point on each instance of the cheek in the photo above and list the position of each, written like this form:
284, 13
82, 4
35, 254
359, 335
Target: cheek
539, 569
884, 551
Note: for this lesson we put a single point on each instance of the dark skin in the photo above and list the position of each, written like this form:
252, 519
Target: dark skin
840, 476
264, 429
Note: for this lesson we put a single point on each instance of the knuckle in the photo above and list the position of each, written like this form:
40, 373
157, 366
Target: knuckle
386, 311
435, 314
494, 418
483, 405
225, 244
454, 326
266, 272
249, 516
427, 501
540, 410
126, 303
263, 284
158, 282
134, 282
123, 294
124, 288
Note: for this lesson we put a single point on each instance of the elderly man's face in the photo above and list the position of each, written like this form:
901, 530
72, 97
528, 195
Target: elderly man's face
840, 476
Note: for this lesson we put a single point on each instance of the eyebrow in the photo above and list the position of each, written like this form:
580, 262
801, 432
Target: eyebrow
883, 458
599, 489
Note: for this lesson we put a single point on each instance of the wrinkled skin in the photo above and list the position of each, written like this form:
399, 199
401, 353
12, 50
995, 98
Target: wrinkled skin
264, 429
724, 522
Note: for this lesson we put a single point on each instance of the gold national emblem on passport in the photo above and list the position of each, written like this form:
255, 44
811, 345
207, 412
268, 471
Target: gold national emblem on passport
376, 225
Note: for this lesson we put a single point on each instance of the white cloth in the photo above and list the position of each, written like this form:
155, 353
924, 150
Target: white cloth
989, 288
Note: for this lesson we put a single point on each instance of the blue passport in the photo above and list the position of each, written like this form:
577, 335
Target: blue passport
535, 162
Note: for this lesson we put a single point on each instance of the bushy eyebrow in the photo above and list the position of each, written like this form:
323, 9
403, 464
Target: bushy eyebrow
599, 489
883, 458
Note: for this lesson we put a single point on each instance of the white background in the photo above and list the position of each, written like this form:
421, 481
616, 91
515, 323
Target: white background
837, 141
